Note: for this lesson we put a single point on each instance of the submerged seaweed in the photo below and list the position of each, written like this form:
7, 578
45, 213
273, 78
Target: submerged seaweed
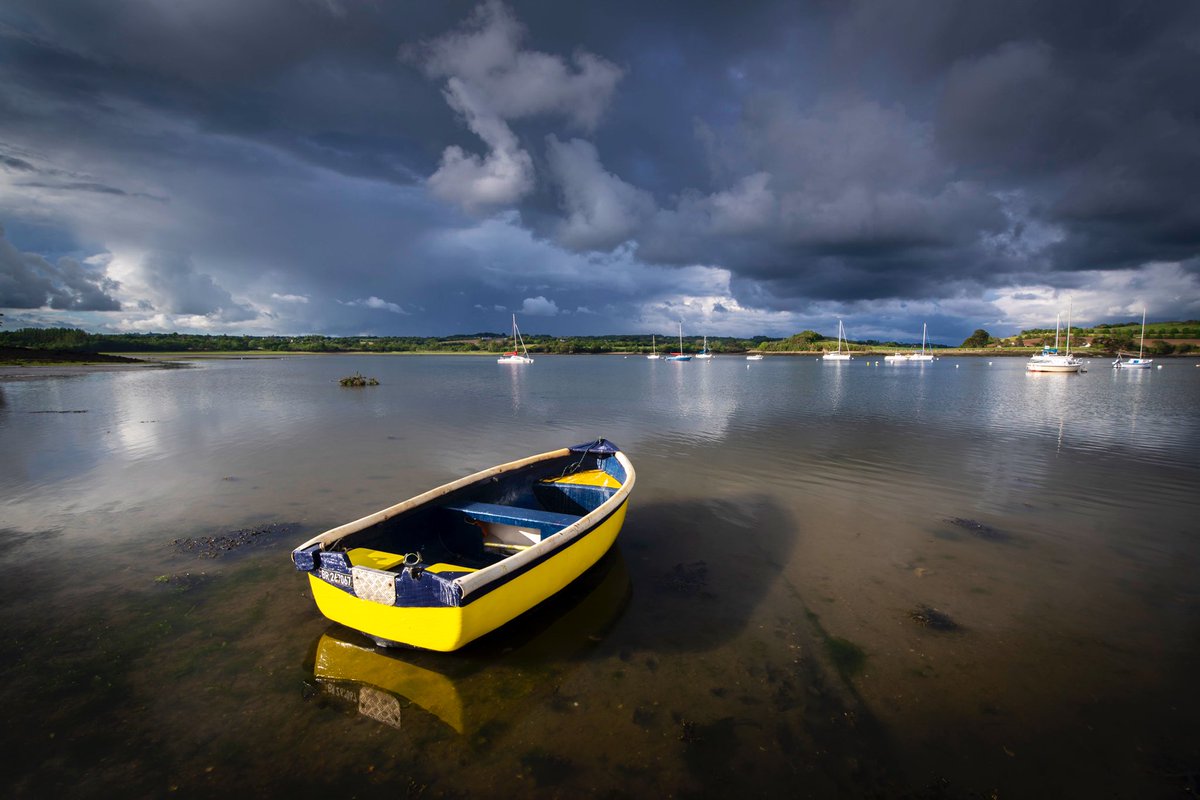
979, 529
929, 617
213, 546
687, 579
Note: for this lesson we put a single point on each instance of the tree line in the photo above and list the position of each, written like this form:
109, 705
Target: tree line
1109, 338
485, 342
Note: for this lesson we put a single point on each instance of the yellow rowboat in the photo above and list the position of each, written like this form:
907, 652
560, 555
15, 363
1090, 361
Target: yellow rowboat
449, 565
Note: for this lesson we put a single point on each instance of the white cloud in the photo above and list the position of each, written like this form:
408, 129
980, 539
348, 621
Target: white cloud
289, 298
502, 177
1104, 296
177, 287
490, 79
539, 307
376, 303
486, 54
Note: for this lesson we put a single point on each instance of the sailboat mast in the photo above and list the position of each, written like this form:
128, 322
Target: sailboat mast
1142, 343
1069, 328
923, 327
1057, 325
680, 337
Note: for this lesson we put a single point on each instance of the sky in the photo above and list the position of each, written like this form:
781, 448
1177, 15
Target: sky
368, 167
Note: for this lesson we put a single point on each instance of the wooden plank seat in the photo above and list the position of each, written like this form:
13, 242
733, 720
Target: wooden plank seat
545, 522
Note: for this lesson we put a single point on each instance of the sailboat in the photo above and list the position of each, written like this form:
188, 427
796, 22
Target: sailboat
512, 356
1050, 360
653, 355
921, 356
704, 350
839, 355
1139, 362
680, 356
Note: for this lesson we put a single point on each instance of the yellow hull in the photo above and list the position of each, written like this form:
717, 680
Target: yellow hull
449, 628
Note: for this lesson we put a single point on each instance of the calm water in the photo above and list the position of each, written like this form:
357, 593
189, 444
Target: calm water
757, 629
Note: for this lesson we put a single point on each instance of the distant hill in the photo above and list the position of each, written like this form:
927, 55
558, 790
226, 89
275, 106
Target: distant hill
1188, 329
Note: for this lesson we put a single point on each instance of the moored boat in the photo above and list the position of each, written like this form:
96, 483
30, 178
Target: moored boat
1135, 362
921, 356
1050, 360
680, 356
520, 353
453, 563
839, 355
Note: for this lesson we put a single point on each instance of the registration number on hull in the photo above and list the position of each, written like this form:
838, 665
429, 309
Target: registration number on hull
339, 579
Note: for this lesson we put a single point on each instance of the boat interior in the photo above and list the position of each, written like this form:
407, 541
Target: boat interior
485, 522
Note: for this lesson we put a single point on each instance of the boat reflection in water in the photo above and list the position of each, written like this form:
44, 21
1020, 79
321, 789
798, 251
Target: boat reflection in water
490, 677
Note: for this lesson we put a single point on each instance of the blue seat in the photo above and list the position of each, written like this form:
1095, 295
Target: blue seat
545, 522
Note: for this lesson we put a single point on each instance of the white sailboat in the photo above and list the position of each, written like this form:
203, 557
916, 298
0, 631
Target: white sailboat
839, 355
653, 354
513, 356
680, 356
1050, 360
1139, 362
921, 356
704, 350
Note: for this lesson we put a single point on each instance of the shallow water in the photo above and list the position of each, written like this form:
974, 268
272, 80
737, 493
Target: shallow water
757, 629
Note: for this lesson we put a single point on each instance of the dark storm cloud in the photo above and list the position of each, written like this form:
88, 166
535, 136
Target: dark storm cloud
376, 167
60, 180
29, 281
12, 162
1090, 107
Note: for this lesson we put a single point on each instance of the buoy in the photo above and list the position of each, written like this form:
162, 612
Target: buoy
956, 366
989, 363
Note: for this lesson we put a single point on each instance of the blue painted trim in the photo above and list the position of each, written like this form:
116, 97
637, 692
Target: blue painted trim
425, 590
306, 559
614, 467
333, 559
600, 447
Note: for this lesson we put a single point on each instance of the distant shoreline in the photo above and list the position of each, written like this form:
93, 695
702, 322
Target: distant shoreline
235, 355
41, 364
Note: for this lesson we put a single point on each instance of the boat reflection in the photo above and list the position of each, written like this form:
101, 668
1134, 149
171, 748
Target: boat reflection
490, 678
